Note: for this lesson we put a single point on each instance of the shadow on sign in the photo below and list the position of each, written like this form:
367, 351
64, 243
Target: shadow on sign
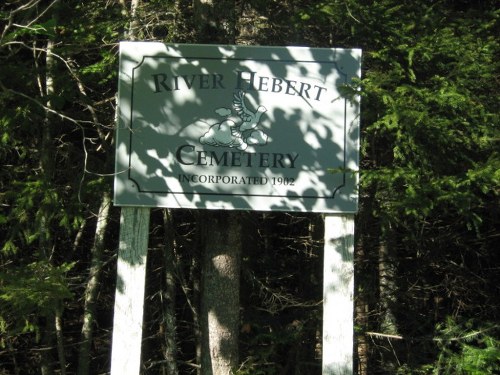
247, 128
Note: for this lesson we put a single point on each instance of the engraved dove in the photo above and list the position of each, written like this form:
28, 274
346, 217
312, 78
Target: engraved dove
250, 119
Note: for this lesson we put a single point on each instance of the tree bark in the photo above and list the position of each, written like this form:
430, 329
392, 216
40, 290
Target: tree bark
387, 289
366, 278
220, 293
45, 240
60, 339
169, 320
92, 287
387, 301
362, 309
216, 21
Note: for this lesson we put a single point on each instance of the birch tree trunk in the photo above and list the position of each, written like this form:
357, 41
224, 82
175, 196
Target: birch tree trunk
53, 325
47, 165
92, 287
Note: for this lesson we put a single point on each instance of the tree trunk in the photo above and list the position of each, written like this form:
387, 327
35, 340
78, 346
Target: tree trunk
317, 233
362, 308
220, 293
60, 340
387, 289
169, 320
216, 21
130, 11
366, 279
134, 24
92, 287
48, 325
387, 301
196, 296
190, 286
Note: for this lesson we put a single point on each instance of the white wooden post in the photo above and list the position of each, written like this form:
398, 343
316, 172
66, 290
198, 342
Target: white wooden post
338, 290
129, 298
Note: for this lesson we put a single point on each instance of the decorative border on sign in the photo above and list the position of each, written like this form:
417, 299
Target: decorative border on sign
131, 132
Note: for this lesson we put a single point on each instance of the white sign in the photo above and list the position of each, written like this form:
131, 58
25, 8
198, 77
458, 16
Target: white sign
236, 127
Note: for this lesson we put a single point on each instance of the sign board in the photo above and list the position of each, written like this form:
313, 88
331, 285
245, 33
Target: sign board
236, 127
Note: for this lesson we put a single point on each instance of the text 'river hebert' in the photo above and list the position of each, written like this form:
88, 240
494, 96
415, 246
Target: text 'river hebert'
246, 81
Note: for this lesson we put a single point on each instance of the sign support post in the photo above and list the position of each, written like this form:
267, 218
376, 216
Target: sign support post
338, 290
129, 299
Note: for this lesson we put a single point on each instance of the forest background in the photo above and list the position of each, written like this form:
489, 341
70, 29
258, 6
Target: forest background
427, 263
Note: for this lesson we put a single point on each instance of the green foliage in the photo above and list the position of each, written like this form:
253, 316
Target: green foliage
463, 349
46, 29
30, 292
467, 349
429, 131
33, 202
429, 169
